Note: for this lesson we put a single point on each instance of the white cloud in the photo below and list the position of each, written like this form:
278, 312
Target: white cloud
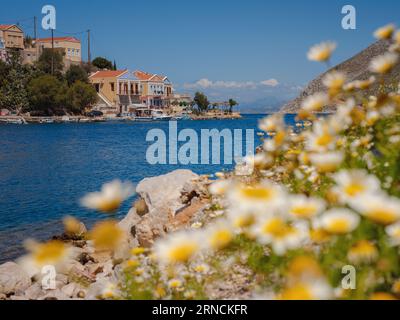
270, 82
207, 84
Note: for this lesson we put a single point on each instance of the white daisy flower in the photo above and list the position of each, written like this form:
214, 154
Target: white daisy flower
334, 80
321, 52
393, 231
327, 162
110, 198
302, 207
383, 64
280, 234
379, 208
315, 102
353, 183
385, 32
179, 247
338, 221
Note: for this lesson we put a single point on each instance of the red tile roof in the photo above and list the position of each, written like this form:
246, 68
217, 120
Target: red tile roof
67, 39
145, 76
5, 26
141, 75
108, 74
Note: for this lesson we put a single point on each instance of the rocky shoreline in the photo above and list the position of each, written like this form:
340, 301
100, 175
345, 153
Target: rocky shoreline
167, 203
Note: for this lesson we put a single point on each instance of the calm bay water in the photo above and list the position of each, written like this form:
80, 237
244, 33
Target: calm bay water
46, 169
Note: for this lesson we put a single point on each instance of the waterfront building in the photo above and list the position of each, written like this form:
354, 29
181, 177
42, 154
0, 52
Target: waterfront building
70, 47
121, 91
156, 90
12, 36
106, 85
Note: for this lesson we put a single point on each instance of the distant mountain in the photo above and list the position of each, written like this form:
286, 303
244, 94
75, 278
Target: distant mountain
264, 105
356, 68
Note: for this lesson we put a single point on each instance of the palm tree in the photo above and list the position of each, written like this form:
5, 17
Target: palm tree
232, 103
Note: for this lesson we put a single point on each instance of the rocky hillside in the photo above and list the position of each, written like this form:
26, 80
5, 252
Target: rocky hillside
355, 68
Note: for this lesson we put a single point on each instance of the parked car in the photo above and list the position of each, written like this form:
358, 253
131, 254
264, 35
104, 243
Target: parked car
94, 113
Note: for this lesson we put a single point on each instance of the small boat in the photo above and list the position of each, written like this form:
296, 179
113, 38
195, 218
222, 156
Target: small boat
46, 120
159, 115
84, 120
12, 121
65, 119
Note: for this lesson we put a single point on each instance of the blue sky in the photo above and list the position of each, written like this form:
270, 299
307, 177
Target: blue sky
228, 42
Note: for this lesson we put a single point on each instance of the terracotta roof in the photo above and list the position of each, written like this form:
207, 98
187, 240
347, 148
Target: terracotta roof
68, 39
143, 75
5, 26
108, 74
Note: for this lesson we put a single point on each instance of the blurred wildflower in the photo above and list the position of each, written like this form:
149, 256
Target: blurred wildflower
393, 232
177, 248
110, 198
378, 208
54, 253
338, 221
384, 64
321, 52
315, 290
315, 102
353, 183
385, 32
106, 235
363, 252
302, 207
280, 234
219, 235
327, 162
382, 296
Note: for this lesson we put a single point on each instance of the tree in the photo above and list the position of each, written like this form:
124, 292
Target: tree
102, 63
4, 70
76, 73
47, 94
201, 100
232, 103
13, 80
80, 96
44, 63
115, 66
13, 92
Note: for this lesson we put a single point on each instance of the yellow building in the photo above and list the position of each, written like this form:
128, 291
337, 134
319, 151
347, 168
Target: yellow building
11, 36
156, 90
70, 46
121, 91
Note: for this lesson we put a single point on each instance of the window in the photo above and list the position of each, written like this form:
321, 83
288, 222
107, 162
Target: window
112, 86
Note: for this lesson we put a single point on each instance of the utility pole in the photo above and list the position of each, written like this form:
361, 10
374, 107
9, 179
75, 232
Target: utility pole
34, 28
52, 52
89, 53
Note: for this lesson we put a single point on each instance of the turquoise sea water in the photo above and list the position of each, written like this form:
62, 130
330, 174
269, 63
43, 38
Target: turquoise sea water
46, 169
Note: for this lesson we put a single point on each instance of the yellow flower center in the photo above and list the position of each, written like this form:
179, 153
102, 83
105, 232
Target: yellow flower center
323, 55
109, 205
304, 211
382, 216
50, 252
324, 140
106, 235
382, 296
280, 137
183, 252
244, 221
354, 189
221, 239
319, 235
338, 226
257, 193
297, 292
277, 228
